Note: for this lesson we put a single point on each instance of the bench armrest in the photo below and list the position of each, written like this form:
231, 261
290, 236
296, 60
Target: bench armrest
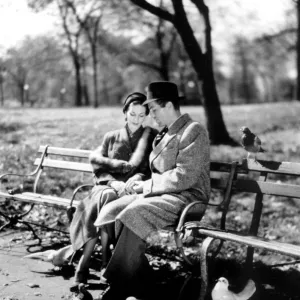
78, 190
15, 174
185, 213
2, 176
71, 209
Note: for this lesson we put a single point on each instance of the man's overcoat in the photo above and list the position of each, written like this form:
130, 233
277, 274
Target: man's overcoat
179, 175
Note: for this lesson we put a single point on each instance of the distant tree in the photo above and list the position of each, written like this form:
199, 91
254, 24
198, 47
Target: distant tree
155, 52
289, 37
18, 68
73, 32
2, 72
34, 66
89, 14
243, 71
297, 4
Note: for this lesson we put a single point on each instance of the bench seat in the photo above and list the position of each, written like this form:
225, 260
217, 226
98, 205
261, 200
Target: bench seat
253, 241
35, 198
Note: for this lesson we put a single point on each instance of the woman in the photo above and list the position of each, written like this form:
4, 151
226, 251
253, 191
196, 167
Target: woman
121, 159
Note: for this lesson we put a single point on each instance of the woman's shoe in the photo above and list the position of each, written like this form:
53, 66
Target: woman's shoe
82, 293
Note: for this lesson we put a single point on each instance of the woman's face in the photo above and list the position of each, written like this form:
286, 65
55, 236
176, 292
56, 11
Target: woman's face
135, 115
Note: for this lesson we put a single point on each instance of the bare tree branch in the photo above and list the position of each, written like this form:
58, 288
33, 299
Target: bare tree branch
155, 10
270, 37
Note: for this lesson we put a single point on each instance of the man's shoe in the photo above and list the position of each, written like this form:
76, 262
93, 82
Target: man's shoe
110, 294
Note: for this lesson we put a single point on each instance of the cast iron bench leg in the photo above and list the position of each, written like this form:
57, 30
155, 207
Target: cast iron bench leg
203, 266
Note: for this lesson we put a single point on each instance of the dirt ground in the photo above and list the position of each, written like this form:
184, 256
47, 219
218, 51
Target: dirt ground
25, 279
28, 279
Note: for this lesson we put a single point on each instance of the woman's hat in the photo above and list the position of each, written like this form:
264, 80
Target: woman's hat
162, 90
133, 97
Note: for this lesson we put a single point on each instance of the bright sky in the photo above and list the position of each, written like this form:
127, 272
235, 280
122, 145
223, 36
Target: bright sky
17, 21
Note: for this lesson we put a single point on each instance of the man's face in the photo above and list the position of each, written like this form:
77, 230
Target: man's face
158, 113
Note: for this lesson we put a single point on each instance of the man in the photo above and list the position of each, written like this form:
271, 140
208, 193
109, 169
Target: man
179, 165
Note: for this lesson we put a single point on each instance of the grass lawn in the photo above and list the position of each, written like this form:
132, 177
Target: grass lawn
277, 125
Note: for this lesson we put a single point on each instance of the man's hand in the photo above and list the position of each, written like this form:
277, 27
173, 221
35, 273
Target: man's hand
138, 186
131, 182
119, 186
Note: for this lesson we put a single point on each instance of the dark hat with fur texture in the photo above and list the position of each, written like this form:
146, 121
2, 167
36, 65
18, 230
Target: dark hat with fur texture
136, 96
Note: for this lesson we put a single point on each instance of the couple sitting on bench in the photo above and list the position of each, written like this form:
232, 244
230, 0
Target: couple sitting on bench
143, 183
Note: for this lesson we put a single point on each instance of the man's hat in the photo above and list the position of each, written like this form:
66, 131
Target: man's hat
136, 96
162, 90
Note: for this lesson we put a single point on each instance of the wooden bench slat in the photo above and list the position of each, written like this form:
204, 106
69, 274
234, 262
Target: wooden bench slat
253, 241
288, 168
269, 188
65, 165
66, 152
41, 199
4, 195
218, 183
218, 166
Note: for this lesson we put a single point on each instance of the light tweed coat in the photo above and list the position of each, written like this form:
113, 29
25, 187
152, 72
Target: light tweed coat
180, 175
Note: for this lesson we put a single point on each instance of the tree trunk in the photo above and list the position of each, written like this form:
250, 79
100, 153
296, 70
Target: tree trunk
78, 85
22, 95
2, 93
164, 69
203, 66
95, 76
298, 51
86, 96
202, 63
214, 119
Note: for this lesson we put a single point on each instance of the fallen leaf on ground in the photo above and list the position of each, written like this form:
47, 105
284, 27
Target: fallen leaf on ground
33, 285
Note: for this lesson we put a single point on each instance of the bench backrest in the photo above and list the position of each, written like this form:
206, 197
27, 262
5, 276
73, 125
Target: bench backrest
68, 159
60, 153
262, 186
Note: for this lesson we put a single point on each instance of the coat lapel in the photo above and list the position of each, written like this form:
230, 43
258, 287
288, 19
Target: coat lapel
124, 138
173, 130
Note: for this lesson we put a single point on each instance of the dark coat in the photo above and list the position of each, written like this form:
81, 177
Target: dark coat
114, 159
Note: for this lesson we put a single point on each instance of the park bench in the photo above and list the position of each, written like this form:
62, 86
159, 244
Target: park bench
226, 178
49, 158
244, 180
61, 159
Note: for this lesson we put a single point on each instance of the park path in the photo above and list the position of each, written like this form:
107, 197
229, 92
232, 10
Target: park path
27, 279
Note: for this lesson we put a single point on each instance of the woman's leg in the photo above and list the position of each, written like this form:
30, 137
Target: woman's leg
107, 238
83, 264
105, 243
106, 195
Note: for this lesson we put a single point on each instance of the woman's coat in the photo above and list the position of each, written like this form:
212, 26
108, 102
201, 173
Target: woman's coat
117, 161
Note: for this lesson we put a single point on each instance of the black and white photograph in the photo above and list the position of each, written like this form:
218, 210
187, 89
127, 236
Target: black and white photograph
150, 149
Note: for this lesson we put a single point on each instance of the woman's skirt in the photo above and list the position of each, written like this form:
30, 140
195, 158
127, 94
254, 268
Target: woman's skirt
82, 227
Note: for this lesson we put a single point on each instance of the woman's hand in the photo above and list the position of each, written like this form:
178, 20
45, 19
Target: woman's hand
131, 182
138, 186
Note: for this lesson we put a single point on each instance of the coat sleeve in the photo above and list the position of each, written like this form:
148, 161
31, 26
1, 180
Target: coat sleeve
144, 169
190, 161
103, 164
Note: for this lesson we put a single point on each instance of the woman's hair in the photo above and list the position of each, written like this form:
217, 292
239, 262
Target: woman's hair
135, 98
